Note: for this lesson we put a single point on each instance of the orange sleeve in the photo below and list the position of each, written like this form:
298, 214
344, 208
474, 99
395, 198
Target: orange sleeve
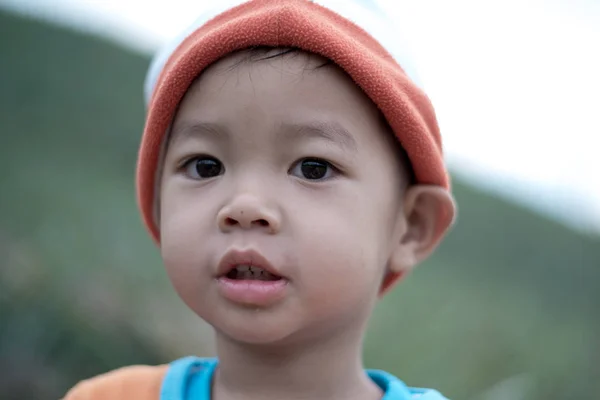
135, 382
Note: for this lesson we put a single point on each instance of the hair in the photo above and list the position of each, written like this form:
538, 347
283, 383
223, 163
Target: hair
264, 53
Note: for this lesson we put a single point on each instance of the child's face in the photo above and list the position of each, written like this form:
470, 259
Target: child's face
290, 162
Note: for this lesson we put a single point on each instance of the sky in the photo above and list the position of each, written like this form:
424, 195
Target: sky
515, 84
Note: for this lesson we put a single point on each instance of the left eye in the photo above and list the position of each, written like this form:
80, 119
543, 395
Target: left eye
313, 169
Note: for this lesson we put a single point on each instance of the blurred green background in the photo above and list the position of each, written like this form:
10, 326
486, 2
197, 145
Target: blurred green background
508, 308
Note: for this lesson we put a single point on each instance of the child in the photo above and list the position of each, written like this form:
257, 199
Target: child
291, 173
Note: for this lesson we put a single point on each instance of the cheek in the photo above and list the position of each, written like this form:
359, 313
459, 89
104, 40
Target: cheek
186, 217
340, 279
345, 250
183, 226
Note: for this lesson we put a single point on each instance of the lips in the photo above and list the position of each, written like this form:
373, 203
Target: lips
247, 278
247, 265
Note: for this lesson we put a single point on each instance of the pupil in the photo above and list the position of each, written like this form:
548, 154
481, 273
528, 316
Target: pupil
208, 168
313, 169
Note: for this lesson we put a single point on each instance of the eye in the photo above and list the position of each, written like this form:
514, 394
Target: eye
203, 167
313, 169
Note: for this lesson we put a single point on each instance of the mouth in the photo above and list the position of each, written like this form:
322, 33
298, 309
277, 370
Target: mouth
247, 266
251, 273
247, 278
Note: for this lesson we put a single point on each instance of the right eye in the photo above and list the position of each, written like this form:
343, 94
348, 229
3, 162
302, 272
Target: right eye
203, 167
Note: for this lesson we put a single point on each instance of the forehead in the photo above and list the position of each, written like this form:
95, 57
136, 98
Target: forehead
280, 86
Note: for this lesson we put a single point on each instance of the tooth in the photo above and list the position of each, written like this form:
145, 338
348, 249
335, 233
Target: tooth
243, 268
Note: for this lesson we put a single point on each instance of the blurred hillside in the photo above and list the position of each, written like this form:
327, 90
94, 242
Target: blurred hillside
507, 309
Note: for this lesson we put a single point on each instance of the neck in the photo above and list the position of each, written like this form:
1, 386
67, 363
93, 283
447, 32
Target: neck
321, 369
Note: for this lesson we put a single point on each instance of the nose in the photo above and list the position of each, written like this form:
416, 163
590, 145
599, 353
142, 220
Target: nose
248, 212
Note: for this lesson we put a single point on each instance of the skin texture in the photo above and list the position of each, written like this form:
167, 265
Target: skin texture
334, 239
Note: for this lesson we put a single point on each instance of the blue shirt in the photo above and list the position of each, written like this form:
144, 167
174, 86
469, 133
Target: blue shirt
190, 378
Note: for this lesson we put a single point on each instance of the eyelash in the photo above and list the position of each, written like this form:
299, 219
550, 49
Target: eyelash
315, 162
332, 169
186, 163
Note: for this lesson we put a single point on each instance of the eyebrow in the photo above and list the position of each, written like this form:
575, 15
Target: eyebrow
331, 131
194, 129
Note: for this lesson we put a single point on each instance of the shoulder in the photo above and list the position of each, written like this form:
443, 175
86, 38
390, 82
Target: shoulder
394, 388
134, 382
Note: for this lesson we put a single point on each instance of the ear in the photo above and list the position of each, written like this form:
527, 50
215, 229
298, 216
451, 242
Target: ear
427, 215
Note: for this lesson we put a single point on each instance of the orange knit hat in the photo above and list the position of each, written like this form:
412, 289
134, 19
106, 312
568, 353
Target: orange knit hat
301, 24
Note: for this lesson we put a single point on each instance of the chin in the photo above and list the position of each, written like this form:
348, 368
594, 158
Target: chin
254, 328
